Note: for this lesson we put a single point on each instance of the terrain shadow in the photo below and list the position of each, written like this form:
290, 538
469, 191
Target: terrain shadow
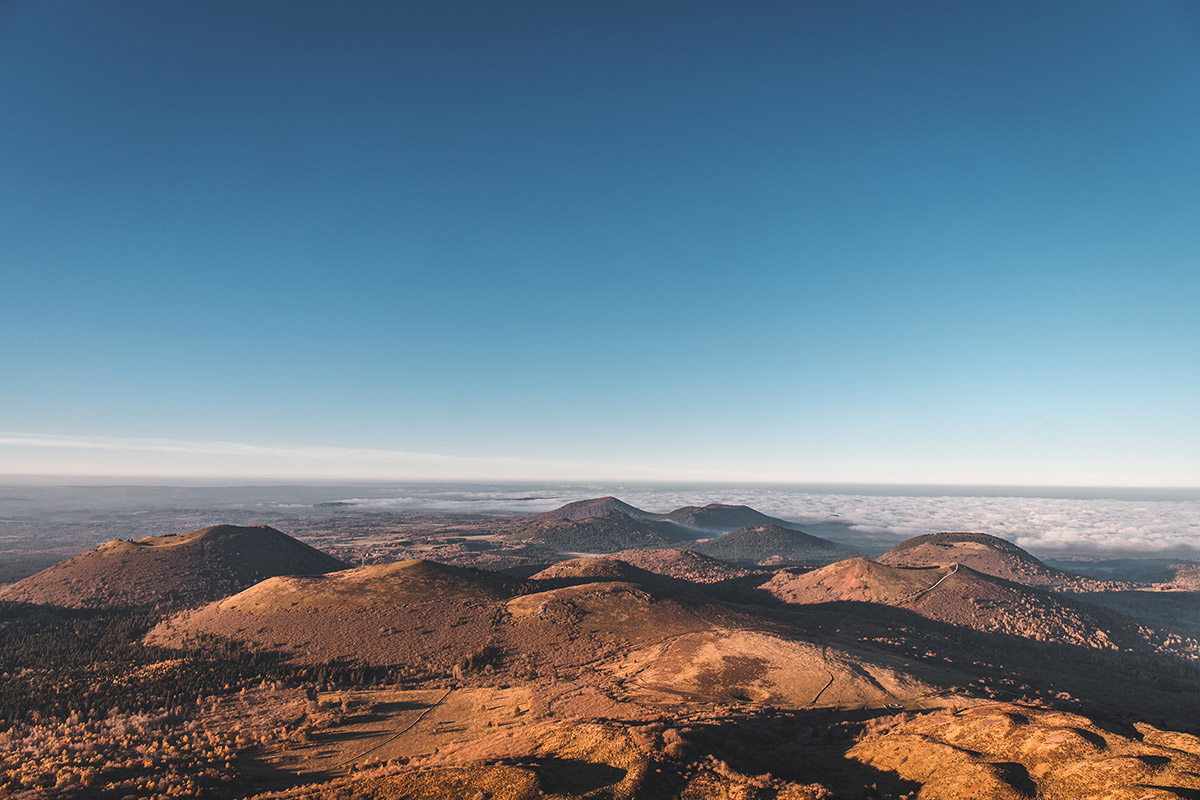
1112, 685
807, 746
572, 776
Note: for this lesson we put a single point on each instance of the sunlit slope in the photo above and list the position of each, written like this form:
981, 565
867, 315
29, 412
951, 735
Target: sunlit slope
959, 595
599, 621
1012, 752
584, 509
988, 554
188, 568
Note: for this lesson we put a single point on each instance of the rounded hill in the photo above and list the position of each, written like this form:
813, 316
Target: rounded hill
756, 543
606, 569
177, 569
685, 564
721, 517
593, 622
583, 509
413, 582
588, 570
988, 554
403, 612
958, 595
607, 533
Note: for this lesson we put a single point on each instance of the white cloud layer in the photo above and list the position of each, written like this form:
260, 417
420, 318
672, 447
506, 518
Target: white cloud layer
1041, 524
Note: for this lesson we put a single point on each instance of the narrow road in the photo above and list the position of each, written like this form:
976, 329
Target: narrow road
928, 589
828, 683
397, 734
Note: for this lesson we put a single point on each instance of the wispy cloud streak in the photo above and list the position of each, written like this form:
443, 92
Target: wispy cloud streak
353, 461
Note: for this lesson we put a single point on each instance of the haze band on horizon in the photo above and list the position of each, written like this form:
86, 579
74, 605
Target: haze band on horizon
927, 242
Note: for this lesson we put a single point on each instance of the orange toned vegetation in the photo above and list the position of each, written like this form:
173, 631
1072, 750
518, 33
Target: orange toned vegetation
656, 672
188, 568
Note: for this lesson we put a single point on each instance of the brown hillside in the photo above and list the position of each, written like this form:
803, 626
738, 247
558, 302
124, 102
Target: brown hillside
1014, 751
584, 509
756, 543
607, 533
726, 665
404, 612
591, 570
721, 517
638, 634
990, 555
684, 564
576, 571
187, 568
959, 595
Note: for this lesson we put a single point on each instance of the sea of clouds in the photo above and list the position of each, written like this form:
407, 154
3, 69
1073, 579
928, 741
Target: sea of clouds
1098, 524
1101, 522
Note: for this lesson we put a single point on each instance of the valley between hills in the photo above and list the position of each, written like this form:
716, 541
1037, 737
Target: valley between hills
594, 651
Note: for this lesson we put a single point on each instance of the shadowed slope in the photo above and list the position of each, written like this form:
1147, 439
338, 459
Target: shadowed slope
186, 568
591, 570
584, 509
606, 533
683, 523
722, 517
685, 564
759, 542
958, 595
597, 621
578, 571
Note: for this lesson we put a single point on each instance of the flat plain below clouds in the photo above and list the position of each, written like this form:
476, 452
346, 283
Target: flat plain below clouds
1114, 522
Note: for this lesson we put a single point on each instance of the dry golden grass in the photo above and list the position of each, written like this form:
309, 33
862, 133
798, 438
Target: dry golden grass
1006, 751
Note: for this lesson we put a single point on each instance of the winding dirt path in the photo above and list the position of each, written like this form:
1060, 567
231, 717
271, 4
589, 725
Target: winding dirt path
397, 734
929, 589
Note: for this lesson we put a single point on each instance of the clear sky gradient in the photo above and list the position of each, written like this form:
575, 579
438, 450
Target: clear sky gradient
796, 241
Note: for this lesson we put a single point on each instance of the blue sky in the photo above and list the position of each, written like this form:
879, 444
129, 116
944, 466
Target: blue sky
837, 241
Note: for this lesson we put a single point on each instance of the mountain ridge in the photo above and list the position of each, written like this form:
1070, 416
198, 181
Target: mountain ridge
193, 567
757, 543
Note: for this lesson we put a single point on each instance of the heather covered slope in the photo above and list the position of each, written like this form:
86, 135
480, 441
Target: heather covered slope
599, 621
607, 533
188, 568
1007, 751
682, 563
757, 543
404, 612
958, 595
685, 522
661, 673
593, 570
607, 569
990, 555
721, 517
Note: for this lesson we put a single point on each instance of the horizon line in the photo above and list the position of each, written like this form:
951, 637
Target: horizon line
100, 480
